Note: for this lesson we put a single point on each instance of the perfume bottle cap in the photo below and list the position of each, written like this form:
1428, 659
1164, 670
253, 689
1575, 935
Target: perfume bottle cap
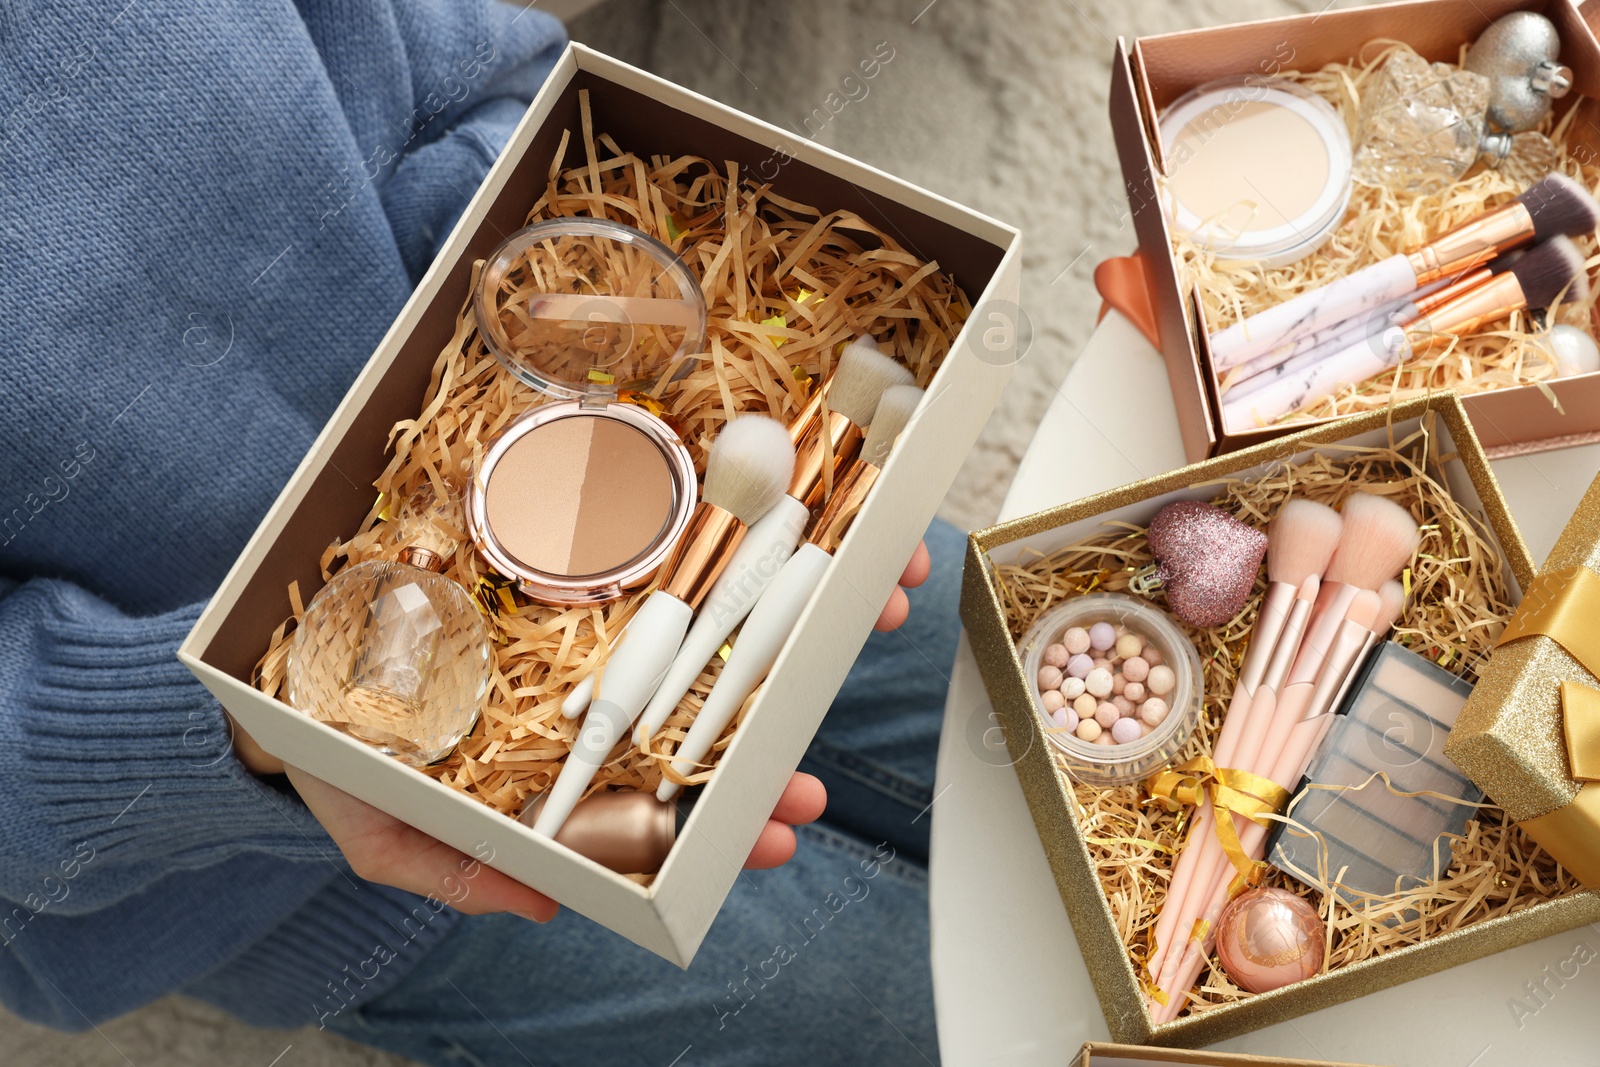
425, 558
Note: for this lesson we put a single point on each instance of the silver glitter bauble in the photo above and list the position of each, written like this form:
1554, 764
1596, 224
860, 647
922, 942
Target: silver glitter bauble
1517, 53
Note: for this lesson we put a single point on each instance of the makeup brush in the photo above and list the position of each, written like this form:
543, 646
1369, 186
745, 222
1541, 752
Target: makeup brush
1202, 852
1391, 602
1537, 279
775, 614
1378, 539
1284, 760
1300, 541
822, 444
751, 462
1556, 206
1263, 370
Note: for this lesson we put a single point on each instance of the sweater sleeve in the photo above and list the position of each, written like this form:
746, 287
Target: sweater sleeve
430, 120
111, 751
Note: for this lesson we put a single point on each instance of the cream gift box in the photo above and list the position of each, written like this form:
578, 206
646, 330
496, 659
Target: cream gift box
1103, 1054
331, 492
1152, 72
1053, 806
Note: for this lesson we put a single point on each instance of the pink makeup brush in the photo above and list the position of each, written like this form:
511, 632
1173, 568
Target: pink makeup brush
1299, 723
1300, 541
1378, 539
1555, 206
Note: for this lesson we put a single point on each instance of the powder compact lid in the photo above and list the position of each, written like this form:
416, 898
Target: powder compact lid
1257, 169
583, 308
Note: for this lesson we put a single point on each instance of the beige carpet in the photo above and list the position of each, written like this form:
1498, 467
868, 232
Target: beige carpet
997, 104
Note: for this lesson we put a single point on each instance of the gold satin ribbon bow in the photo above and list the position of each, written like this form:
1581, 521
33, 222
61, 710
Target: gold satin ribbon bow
1564, 606
1228, 790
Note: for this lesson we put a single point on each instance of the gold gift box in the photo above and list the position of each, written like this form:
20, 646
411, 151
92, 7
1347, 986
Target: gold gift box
1466, 471
1530, 734
1104, 1054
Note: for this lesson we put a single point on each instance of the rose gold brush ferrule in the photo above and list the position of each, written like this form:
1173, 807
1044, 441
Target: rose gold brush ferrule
1337, 667
1493, 300
828, 529
1440, 297
827, 447
1350, 675
1283, 656
1473, 244
701, 554
1276, 603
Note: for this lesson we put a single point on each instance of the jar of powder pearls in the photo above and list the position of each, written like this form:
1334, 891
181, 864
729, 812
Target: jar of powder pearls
1116, 684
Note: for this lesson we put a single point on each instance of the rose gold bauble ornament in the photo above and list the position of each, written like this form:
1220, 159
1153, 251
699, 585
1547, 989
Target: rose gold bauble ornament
1269, 938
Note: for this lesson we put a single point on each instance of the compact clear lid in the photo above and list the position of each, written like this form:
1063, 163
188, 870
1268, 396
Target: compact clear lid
584, 308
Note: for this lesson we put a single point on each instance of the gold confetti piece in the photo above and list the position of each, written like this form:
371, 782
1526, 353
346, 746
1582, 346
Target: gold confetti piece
600, 376
777, 322
725, 651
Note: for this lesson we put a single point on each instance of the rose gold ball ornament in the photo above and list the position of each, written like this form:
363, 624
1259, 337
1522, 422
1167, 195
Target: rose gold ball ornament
1268, 938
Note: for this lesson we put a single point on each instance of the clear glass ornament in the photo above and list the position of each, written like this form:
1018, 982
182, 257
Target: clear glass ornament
1421, 124
392, 652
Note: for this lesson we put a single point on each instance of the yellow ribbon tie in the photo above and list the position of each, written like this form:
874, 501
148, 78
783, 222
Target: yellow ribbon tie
1232, 791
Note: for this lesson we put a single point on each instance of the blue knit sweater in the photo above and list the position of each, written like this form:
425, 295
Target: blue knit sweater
210, 211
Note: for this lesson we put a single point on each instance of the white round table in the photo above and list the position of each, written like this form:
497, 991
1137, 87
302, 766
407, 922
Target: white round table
1009, 984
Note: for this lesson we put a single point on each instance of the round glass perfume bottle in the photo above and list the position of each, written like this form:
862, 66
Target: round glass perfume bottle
393, 652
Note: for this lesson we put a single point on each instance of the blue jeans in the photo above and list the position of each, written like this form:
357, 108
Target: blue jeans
801, 966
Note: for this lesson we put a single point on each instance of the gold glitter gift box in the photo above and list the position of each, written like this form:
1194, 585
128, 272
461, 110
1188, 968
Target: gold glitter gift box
1530, 734
1104, 1054
1463, 467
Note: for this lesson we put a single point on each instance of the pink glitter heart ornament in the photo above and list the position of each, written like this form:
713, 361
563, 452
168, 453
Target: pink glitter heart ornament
1208, 561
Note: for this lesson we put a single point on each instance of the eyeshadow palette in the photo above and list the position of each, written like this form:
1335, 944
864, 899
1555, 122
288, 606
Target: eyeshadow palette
1380, 794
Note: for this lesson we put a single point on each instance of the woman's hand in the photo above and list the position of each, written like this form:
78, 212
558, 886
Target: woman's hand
381, 848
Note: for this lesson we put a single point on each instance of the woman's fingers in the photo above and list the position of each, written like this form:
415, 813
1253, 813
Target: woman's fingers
381, 848
916, 571
773, 848
894, 613
802, 801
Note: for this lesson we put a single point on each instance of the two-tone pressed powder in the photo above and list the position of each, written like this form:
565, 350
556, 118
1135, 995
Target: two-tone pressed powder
583, 499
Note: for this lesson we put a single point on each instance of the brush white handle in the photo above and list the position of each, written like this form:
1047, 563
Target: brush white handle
754, 564
1263, 370
1368, 288
755, 652
1365, 359
641, 657
577, 701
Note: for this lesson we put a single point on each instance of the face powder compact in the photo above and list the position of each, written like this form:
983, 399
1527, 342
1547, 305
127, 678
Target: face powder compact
583, 498
1257, 169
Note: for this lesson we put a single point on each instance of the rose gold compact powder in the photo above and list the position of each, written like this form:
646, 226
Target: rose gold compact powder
582, 499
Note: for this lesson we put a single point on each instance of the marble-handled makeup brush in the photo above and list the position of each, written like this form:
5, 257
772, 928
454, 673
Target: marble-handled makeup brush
823, 443
1300, 541
1537, 279
751, 462
1298, 728
1264, 370
1378, 539
775, 614
1554, 206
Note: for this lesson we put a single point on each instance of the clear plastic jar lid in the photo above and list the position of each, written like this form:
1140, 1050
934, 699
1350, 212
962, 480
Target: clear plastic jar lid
1258, 169
1119, 764
584, 308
